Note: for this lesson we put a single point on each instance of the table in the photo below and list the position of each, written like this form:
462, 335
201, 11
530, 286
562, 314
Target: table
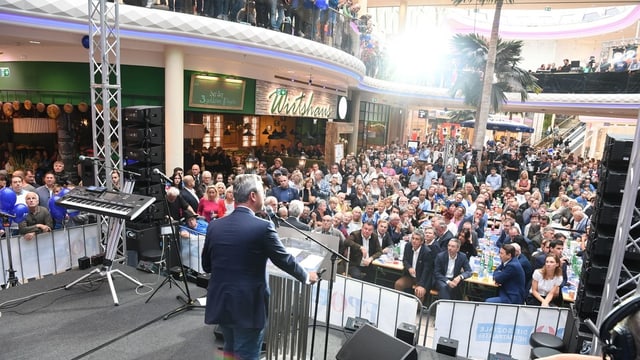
478, 289
387, 272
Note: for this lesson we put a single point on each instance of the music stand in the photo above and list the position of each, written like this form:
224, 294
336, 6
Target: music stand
188, 302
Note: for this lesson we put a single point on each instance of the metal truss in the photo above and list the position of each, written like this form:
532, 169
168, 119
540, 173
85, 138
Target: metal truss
104, 67
628, 220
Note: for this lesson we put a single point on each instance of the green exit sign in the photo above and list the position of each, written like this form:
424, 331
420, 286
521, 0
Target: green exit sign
5, 72
547, 8
282, 91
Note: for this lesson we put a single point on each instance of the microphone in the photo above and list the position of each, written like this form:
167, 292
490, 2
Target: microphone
162, 176
92, 158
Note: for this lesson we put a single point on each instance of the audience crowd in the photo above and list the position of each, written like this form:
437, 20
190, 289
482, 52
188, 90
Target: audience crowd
534, 200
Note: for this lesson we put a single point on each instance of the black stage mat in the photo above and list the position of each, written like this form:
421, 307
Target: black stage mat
82, 322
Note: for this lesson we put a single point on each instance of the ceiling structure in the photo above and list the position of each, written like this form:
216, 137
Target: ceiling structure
236, 49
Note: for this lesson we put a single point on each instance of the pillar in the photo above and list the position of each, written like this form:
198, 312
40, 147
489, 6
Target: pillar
174, 107
355, 119
402, 16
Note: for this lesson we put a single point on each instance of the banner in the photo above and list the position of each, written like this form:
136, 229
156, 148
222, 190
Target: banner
493, 328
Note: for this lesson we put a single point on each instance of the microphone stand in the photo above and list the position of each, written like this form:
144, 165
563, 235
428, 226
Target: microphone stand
188, 302
334, 256
12, 280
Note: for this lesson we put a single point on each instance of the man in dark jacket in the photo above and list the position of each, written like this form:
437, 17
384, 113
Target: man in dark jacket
418, 267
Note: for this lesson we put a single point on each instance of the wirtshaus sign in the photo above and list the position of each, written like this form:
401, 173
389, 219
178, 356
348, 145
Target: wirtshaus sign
280, 100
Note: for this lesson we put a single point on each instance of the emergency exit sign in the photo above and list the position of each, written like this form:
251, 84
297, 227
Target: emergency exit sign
4, 72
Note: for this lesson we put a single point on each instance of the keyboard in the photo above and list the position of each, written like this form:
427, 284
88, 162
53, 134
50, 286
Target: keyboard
106, 202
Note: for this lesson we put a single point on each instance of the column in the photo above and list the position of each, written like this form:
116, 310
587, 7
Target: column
355, 119
402, 17
174, 107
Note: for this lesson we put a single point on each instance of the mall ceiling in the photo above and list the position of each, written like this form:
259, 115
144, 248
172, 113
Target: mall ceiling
63, 46
517, 4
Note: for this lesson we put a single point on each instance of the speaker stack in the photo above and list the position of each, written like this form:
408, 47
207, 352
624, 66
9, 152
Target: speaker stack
143, 152
612, 176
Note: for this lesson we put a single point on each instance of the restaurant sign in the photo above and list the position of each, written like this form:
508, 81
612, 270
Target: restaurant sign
280, 100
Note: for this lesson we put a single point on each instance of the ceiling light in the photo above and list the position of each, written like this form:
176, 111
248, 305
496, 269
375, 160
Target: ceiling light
35, 42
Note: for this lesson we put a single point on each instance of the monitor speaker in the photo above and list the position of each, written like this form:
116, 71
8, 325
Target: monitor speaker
447, 346
371, 343
407, 333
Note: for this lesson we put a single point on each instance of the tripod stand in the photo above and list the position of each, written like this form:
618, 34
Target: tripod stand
114, 231
188, 302
12, 280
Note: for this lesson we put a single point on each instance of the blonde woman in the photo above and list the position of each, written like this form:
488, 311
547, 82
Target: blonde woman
211, 206
229, 202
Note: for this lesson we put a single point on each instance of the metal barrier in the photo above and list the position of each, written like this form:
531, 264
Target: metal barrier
48, 253
382, 306
191, 248
492, 328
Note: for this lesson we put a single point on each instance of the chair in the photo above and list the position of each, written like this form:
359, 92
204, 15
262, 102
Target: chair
545, 344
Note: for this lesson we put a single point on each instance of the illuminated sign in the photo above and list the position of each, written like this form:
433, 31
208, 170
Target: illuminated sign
276, 99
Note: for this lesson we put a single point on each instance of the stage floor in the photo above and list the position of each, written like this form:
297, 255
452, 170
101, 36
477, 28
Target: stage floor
42, 320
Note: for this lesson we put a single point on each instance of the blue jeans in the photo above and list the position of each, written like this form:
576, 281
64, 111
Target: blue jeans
277, 14
243, 344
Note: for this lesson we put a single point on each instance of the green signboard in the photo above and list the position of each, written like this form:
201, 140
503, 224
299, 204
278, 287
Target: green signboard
216, 92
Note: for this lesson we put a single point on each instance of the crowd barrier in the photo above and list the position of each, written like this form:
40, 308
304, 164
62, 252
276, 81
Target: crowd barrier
384, 307
48, 253
493, 328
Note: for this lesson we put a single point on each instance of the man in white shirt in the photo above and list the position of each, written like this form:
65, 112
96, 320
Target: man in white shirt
451, 268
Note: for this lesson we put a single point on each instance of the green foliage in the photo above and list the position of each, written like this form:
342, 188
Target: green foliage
469, 52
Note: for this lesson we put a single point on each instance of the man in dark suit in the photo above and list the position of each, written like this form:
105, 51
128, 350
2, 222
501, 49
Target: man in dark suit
295, 209
510, 278
418, 267
235, 252
365, 248
443, 235
451, 268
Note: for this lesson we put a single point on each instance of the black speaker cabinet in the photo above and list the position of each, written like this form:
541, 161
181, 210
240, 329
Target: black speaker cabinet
371, 343
407, 333
447, 346
146, 115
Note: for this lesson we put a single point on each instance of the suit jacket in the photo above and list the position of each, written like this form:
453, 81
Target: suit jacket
424, 266
191, 200
461, 267
511, 280
295, 223
235, 252
443, 241
354, 241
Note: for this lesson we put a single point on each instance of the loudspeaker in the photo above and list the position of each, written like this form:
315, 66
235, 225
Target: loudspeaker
371, 343
617, 339
84, 263
147, 115
356, 323
447, 346
407, 333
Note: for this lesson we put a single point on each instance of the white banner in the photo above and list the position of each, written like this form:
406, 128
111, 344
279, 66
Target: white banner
493, 328
353, 298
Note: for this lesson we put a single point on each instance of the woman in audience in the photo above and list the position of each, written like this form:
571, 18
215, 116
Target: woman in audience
211, 206
545, 288
229, 202
466, 244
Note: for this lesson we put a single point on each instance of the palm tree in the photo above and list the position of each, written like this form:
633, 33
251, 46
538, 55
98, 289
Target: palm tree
483, 108
470, 55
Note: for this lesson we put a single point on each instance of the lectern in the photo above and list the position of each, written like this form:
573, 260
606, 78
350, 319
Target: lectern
290, 302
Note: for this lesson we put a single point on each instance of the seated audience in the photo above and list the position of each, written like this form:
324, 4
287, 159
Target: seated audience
510, 278
365, 248
451, 268
418, 267
546, 284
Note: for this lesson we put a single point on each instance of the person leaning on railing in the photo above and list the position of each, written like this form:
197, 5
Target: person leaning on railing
37, 221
